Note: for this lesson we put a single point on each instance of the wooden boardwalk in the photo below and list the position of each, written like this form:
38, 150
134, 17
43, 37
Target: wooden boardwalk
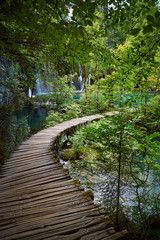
39, 200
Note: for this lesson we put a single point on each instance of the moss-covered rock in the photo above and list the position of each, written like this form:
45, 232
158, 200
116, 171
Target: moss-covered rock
90, 194
67, 155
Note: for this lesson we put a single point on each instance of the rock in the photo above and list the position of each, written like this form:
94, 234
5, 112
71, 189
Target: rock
90, 194
67, 155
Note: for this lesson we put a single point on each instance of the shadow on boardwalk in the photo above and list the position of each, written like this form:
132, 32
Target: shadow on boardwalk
39, 200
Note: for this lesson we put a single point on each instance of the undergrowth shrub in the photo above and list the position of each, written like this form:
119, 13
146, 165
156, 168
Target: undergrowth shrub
151, 114
12, 132
66, 113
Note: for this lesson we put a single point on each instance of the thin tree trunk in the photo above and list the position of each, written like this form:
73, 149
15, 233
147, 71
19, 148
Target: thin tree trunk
119, 178
157, 84
85, 76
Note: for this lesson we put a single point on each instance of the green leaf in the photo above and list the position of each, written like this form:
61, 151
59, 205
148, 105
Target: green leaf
8, 55
157, 14
150, 18
135, 31
89, 22
148, 28
156, 23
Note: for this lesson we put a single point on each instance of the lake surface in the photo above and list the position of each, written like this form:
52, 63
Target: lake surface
35, 117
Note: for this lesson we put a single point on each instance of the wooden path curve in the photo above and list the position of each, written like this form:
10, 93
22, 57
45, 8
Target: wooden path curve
39, 200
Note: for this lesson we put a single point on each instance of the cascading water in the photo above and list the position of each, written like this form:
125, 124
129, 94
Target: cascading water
38, 87
81, 81
29, 93
43, 77
42, 87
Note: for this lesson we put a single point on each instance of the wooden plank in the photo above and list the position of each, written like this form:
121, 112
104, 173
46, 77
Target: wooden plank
53, 184
27, 157
117, 235
94, 234
42, 217
37, 208
26, 168
57, 229
70, 196
49, 167
44, 214
14, 197
17, 175
45, 172
59, 172
26, 163
6, 201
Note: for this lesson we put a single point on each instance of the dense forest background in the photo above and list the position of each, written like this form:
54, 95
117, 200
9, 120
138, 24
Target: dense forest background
108, 52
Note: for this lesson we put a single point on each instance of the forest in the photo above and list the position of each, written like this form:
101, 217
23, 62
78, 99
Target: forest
84, 57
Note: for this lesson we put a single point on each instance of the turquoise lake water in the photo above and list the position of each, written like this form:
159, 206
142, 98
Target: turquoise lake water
35, 117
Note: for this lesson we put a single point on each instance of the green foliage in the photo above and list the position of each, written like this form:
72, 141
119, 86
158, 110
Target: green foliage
116, 147
53, 118
22, 131
10, 91
63, 33
61, 92
94, 101
72, 111
67, 112
12, 132
78, 143
67, 155
151, 115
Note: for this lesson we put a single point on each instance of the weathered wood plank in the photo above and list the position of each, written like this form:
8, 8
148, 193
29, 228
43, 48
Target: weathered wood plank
94, 234
27, 169
33, 203
62, 228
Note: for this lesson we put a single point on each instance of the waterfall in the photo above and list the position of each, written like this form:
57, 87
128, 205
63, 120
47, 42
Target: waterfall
38, 87
29, 93
43, 78
89, 80
81, 83
42, 87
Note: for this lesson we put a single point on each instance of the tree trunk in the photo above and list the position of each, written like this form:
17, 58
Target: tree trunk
85, 76
119, 178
